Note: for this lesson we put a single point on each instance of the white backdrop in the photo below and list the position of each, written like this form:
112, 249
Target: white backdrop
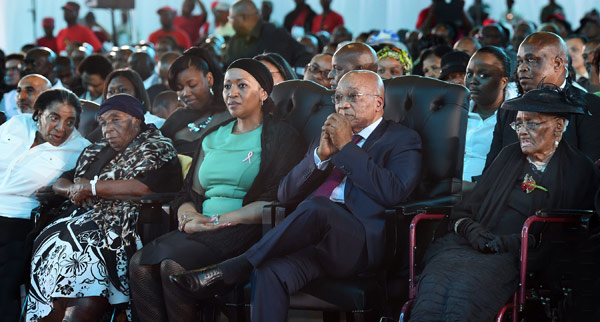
17, 27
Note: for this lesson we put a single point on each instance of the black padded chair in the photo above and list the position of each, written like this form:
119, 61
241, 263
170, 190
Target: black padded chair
87, 119
437, 110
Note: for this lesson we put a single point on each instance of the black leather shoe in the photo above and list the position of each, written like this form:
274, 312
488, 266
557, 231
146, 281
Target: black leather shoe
202, 283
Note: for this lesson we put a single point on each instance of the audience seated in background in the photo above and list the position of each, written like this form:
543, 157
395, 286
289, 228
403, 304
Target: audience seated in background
593, 82
94, 70
361, 165
393, 62
41, 60
486, 78
235, 172
48, 40
79, 263
472, 271
468, 45
431, 60
65, 71
165, 104
36, 150
198, 80
164, 63
454, 66
143, 64
353, 56
318, 69
278, 66
542, 58
120, 57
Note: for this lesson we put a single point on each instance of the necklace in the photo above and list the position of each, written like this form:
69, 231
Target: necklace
196, 127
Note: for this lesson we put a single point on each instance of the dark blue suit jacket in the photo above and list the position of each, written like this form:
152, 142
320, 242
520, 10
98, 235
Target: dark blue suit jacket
380, 175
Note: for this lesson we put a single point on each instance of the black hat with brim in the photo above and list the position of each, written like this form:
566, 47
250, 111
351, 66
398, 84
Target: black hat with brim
548, 101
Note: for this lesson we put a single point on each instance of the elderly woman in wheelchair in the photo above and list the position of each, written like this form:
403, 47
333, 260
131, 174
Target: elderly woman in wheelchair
472, 271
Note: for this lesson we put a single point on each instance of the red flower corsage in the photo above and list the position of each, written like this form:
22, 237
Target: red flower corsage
529, 185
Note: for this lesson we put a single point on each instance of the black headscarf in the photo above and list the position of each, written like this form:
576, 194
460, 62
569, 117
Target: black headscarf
258, 70
263, 76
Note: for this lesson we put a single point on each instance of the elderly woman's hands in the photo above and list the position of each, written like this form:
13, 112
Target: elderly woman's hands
477, 235
80, 193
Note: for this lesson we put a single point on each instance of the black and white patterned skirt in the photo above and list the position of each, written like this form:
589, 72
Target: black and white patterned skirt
71, 259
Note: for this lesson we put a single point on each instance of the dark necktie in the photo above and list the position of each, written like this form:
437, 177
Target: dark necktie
335, 177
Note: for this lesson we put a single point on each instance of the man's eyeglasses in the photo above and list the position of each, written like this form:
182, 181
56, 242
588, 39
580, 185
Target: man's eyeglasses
314, 68
350, 97
528, 126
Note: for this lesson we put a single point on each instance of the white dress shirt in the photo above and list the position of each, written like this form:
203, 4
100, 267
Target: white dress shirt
338, 193
150, 118
9, 104
24, 170
151, 80
477, 142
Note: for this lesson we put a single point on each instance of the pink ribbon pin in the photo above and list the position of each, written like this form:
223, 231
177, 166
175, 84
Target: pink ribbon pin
250, 154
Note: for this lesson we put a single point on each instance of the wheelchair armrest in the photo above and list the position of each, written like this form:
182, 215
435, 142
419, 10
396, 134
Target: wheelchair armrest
572, 216
414, 207
159, 198
564, 213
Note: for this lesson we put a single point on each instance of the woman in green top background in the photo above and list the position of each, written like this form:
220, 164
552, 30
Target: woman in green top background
234, 174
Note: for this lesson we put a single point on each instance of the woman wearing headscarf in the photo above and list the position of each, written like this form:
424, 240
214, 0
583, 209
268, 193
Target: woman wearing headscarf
198, 80
235, 172
472, 271
79, 262
392, 62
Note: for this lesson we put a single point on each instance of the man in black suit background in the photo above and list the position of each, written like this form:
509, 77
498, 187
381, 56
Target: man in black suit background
542, 59
361, 165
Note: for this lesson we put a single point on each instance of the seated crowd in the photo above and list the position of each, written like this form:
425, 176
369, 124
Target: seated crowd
86, 133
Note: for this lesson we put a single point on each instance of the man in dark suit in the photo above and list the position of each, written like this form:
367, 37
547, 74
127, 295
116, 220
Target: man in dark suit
360, 166
542, 59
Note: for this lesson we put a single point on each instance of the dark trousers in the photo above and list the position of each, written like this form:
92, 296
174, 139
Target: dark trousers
13, 260
319, 238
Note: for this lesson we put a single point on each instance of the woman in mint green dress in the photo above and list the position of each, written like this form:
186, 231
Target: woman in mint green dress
235, 173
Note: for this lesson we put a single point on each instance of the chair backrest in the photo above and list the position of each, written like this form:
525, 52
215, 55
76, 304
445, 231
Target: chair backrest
437, 110
87, 119
305, 105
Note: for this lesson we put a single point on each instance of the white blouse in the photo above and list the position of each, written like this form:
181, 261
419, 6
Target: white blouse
24, 170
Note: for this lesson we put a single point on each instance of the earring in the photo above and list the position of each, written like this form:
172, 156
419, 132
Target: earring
556, 143
210, 90
261, 102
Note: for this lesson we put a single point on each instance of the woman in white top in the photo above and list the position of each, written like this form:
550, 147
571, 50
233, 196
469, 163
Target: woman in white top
34, 151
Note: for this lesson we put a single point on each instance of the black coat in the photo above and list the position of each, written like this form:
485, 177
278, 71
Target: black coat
583, 131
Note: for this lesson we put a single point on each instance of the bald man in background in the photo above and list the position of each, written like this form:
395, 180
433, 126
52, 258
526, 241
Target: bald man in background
361, 165
542, 59
28, 90
352, 56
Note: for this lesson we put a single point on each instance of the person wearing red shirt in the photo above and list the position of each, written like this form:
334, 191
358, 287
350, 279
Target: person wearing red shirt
75, 31
328, 20
189, 23
167, 14
48, 40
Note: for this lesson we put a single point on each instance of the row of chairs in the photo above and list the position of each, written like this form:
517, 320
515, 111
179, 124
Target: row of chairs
437, 110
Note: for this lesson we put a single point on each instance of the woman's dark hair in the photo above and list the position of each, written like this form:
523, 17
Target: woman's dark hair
282, 65
95, 64
438, 51
205, 61
53, 96
139, 91
500, 55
